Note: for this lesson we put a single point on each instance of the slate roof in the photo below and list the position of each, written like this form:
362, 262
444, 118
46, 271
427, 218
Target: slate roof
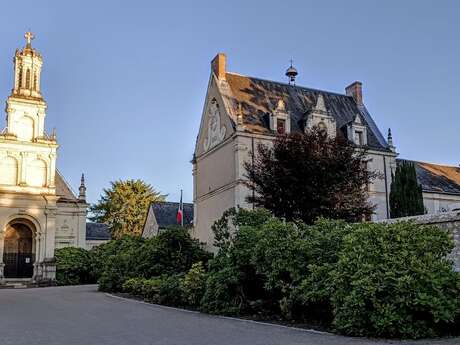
166, 213
435, 178
97, 231
259, 97
63, 189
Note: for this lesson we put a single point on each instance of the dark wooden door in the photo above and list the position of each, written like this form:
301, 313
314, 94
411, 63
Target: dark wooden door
17, 256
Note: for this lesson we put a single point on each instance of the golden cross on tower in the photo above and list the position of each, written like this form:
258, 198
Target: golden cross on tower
29, 36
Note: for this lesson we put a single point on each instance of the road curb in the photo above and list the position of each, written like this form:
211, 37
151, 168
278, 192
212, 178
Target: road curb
306, 330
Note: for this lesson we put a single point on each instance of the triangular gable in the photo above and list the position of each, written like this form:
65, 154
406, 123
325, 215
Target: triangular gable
216, 124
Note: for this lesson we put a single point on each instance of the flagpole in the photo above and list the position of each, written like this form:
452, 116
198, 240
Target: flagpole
182, 209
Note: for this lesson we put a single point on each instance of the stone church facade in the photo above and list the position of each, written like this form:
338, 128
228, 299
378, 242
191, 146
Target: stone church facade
38, 210
240, 112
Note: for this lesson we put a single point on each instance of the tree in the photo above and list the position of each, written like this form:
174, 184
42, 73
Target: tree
406, 196
124, 206
310, 175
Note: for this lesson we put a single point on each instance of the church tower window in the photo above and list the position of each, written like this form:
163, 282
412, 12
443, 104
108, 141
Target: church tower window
8, 171
35, 81
36, 173
28, 79
20, 77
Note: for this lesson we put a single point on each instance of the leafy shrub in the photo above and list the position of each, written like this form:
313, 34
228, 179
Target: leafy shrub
73, 266
222, 294
151, 289
385, 280
170, 253
311, 297
193, 284
171, 292
163, 290
393, 280
116, 261
133, 286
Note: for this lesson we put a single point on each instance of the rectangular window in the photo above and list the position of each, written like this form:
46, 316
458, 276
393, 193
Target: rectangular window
281, 126
359, 139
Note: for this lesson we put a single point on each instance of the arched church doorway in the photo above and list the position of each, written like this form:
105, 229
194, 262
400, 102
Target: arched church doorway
18, 249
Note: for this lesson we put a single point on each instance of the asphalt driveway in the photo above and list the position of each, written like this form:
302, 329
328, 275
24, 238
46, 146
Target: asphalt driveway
82, 316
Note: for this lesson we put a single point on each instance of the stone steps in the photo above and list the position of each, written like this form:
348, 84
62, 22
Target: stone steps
17, 284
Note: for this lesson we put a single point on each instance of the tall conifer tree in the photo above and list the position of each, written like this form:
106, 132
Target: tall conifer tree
406, 196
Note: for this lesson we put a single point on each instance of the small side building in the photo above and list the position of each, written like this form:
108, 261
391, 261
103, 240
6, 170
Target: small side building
163, 215
440, 186
96, 234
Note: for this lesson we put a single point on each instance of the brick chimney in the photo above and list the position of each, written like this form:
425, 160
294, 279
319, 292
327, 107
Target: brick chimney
355, 90
218, 66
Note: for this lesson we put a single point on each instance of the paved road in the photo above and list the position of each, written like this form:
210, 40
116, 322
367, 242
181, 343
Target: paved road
83, 316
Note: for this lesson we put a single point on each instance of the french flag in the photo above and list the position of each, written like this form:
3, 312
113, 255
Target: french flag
180, 211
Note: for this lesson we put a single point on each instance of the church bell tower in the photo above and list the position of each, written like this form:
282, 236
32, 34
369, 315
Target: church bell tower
26, 107
27, 152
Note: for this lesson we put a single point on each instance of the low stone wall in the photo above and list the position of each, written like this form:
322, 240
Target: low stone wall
449, 221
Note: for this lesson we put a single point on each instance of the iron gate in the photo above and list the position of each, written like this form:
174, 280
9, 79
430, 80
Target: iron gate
18, 265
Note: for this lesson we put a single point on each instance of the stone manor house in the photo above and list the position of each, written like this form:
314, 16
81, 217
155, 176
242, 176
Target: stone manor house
242, 111
38, 210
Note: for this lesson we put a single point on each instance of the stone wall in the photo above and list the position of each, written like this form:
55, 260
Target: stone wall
449, 221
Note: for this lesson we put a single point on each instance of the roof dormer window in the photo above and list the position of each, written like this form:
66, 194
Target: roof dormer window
280, 121
321, 118
281, 126
357, 131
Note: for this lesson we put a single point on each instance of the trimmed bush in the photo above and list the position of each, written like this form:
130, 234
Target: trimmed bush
73, 266
116, 261
133, 286
194, 283
379, 280
171, 292
164, 290
393, 280
172, 252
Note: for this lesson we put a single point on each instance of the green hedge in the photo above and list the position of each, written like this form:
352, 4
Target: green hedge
73, 266
178, 290
394, 281
381, 280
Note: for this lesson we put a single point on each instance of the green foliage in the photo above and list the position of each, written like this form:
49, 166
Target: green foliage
194, 283
406, 196
117, 260
308, 176
133, 286
233, 218
171, 252
222, 294
392, 280
171, 292
73, 266
384, 280
310, 298
124, 206
363, 279
164, 289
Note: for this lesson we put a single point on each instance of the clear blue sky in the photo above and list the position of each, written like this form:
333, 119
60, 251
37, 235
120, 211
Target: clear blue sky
125, 80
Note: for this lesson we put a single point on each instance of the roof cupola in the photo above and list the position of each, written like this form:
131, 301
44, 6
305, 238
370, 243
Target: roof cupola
291, 73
